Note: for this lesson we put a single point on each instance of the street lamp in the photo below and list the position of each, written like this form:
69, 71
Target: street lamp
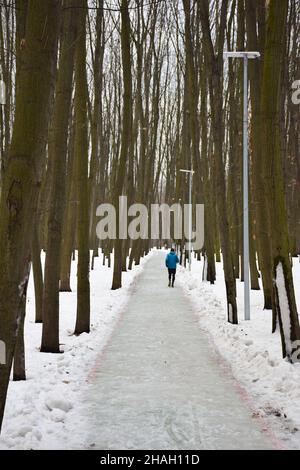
190, 172
245, 56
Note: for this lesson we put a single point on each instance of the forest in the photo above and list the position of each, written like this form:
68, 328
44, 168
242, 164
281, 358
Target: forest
104, 98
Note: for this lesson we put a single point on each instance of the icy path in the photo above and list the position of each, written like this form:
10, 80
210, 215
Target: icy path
158, 386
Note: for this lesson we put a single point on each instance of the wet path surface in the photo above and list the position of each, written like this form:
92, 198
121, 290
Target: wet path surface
158, 385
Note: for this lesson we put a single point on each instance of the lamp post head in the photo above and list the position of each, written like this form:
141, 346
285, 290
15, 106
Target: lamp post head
187, 171
241, 54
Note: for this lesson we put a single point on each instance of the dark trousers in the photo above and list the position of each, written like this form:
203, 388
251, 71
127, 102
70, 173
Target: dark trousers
172, 273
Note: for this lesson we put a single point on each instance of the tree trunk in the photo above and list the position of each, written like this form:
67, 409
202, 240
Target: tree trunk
126, 133
58, 155
22, 178
284, 306
96, 124
259, 194
82, 160
215, 69
37, 275
209, 274
19, 371
68, 234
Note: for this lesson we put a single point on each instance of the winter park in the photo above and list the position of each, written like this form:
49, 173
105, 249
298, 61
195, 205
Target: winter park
149, 227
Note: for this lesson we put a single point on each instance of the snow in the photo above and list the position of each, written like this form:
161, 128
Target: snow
205, 265
230, 313
22, 285
42, 412
46, 411
284, 308
250, 351
159, 386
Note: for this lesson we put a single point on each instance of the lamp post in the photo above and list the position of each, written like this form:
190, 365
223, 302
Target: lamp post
245, 56
190, 172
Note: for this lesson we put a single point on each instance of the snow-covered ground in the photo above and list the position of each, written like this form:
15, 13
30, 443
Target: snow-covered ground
45, 411
159, 385
42, 412
251, 351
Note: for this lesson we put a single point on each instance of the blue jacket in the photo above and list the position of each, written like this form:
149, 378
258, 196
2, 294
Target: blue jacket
172, 260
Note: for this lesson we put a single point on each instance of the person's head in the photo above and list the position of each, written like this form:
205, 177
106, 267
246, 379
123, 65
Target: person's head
172, 250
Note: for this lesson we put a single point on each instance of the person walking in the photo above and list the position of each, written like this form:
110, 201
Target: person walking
171, 263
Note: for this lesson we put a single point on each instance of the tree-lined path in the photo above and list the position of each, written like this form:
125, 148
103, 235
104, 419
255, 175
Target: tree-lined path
158, 385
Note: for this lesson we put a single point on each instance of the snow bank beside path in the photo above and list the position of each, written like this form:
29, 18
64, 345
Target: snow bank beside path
250, 349
44, 411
